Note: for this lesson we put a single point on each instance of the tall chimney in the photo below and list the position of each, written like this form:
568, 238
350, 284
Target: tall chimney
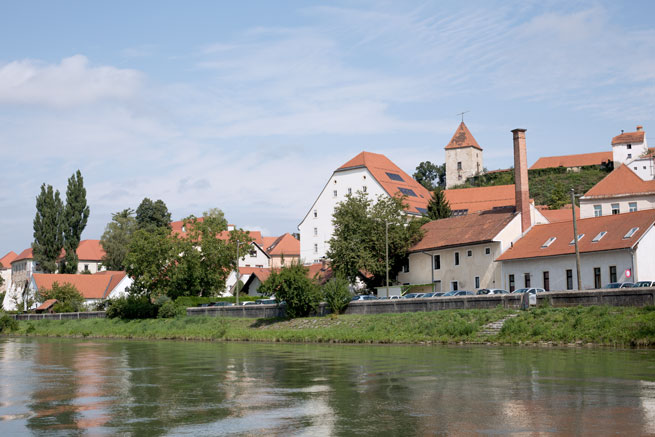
522, 191
640, 128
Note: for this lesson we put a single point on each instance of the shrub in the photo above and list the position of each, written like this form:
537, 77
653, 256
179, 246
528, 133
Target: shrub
8, 324
170, 309
336, 294
69, 299
132, 307
293, 286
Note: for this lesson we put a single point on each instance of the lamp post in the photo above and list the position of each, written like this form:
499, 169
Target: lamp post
237, 284
575, 239
386, 239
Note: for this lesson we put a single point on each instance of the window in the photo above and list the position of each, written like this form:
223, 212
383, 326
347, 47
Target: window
548, 242
459, 165
569, 279
315, 248
253, 253
459, 212
600, 235
469, 253
612, 273
406, 266
629, 155
512, 285
86, 267
629, 146
334, 193
436, 260
615, 208
635, 168
456, 258
315, 213
316, 232
597, 283
631, 232
487, 251
547, 281
526, 280
395, 177
364, 188
477, 282
579, 238
454, 286
459, 177
632, 206
598, 210
407, 192
350, 190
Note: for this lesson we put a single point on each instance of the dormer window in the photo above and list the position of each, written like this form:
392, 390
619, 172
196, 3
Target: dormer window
548, 242
579, 238
631, 232
599, 236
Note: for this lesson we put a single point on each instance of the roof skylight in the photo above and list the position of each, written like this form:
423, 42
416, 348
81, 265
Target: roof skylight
407, 192
600, 235
395, 177
631, 232
548, 242
422, 210
579, 238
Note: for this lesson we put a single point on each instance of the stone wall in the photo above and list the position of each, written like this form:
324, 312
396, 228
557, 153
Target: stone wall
61, 316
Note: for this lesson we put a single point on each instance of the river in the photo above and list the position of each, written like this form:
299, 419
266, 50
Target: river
97, 387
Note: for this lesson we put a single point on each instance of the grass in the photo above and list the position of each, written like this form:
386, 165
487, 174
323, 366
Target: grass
615, 326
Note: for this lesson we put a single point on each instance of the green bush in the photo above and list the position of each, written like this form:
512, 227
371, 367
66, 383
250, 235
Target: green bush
8, 324
69, 299
336, 294
132, 307
170, 309
293, 286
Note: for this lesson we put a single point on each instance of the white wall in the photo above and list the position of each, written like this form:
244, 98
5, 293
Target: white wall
6, 277
645, 257
557, 266
643, 202
620, 152
341, 181
644, 168
471, 159
94, 266
253, 256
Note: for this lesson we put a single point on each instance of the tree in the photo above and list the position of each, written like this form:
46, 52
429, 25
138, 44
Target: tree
48, 229
358, 242
438, 206
293, 286
430, 175
151, 253
558, 197
116, 239
76, 214
69, 299
336, 294
151, 214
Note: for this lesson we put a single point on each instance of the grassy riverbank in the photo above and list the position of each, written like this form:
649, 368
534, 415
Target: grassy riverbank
597, 325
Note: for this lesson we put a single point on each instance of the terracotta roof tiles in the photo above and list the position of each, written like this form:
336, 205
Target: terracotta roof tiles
568, 161
621, 182
481, 198
286, 244
26, 254
5, 261
97, 286
558, 215
629, 137
462, 138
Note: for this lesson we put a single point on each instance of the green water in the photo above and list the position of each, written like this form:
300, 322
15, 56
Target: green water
79, 387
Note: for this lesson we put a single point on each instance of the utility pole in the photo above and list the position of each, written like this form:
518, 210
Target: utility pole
237, 284
386, 238
575, 240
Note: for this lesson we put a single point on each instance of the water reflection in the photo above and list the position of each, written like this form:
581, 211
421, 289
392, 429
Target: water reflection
51, 386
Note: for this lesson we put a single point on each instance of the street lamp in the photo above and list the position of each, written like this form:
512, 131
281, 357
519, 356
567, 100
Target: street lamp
386, 238
237, 283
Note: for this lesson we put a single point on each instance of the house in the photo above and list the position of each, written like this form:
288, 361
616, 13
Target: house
629, 146
89, 255
612, 248
573, 162
5, 270
253, 278
94, 288
463, 157
371, 173
22, 268
618, 192
282, 250
458, 253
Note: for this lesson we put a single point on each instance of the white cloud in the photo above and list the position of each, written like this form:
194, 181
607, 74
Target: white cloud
70, 83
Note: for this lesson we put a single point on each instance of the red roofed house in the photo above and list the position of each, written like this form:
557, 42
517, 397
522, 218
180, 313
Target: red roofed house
5, 270
94, 288
610, 247
573, 162
618, 192
463, 157
629, 146
283, 250
368, 172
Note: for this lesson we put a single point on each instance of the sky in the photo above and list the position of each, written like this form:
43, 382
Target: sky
250, 106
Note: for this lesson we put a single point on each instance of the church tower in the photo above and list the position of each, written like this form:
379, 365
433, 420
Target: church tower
463, 157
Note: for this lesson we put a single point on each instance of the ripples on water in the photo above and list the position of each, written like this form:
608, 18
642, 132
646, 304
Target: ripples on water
63, 387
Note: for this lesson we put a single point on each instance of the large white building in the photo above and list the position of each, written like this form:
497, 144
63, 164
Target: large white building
368, 172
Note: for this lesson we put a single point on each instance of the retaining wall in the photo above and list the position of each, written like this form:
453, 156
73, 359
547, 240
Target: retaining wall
61, 316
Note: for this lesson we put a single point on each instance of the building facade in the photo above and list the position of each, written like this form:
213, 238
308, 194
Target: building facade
463, 157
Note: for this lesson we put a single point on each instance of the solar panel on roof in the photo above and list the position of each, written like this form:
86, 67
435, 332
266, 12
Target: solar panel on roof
407, 192
422, 210
395, 177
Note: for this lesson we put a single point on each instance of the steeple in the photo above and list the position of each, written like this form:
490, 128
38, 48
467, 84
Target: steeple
462, 138
463, 157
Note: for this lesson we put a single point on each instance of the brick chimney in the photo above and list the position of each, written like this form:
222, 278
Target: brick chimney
640, 128
522, 191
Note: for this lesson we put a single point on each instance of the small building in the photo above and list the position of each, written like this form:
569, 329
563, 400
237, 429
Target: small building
573, 162
46, 307
613, 248
283, 250
94, 288
629, 146
463, 157
619, 192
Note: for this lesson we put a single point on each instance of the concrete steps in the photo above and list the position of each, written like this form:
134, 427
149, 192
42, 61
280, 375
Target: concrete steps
494, 328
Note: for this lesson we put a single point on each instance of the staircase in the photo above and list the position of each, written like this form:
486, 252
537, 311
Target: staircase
494, 328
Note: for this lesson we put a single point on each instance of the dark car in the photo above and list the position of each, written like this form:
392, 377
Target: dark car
464, 293
363, 297
221, 304
484, 291
435, 294
645, 284
620, 285
413, 295
265, 301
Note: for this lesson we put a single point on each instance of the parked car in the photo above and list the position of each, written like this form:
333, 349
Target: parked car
464, 293
265, 301
363, 297
435, 294
248, 302
484, 291
530, 290
221, 304
620, 285
645, 284
413, 295
395, 296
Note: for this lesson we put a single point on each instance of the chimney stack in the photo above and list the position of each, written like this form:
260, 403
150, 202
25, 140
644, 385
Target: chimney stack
522, 191
640, 128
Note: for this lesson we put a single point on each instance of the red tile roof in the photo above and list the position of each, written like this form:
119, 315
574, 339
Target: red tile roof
319, 272
558, 215
379, 166
26, 254
481, 198
469, 229
97, 286
616, 226
621, 182
262, 273
286, 244
177, 227
568, 161
629, 137
90, 250
462, 138
46, 305
5, 261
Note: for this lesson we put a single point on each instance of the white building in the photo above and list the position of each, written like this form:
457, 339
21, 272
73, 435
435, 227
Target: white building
463, 157
613, 248
94, 288
368, 172
5, 270
629, 146
620, 191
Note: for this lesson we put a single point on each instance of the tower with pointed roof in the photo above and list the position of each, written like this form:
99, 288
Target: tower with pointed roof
463, 157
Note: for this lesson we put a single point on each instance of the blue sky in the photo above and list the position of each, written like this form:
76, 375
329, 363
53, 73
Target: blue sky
249, 106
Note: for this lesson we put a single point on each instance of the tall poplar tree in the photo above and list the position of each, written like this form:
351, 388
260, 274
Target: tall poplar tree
48, 229
76, 214
117, 238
